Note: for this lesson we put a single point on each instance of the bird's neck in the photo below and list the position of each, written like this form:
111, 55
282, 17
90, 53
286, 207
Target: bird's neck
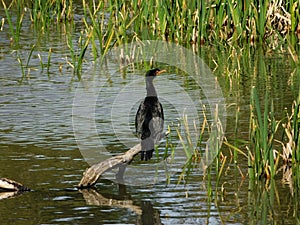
151, 92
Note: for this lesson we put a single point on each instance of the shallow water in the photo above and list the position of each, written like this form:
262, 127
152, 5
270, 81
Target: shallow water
38, 145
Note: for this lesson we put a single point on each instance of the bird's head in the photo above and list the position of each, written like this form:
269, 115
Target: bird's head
154, 72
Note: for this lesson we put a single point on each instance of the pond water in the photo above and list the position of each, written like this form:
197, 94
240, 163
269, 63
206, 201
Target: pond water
38, 144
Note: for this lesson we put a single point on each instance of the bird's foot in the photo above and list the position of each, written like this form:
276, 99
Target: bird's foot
147, 155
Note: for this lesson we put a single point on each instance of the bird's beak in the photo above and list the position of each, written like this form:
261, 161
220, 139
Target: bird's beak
161, 71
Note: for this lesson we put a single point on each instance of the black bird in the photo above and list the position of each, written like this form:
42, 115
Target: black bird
149, 119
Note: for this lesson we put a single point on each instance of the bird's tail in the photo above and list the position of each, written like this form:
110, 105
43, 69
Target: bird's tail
147, 149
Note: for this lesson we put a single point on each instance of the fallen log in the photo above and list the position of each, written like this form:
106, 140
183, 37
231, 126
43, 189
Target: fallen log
92, 174
11, 185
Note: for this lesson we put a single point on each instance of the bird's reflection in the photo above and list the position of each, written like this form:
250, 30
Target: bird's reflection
146, 213
149, 215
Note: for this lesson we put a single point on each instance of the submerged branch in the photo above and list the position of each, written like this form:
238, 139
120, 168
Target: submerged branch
11, 185
92, 174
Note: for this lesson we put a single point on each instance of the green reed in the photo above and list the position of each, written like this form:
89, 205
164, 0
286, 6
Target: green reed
20, 60
263, 127
46, 13
25, 70
296, 129
263, 159
78, 52
41, 61
49, 60
180, 136
15, 29
291, 143
103, 33
192, 24
196, 155
264, 203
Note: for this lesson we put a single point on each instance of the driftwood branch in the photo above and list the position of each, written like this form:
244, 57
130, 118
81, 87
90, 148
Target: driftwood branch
92, 174
11, 185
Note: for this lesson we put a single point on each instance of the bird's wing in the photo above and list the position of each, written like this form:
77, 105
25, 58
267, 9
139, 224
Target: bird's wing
139, 119
162, 116
157, 123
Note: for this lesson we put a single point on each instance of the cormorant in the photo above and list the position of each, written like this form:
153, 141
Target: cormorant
149, 119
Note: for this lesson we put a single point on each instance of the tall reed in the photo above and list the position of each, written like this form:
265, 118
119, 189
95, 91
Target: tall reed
25, 70
263, 126
291, 143
192, 24
264, 203
46, 13
15, 29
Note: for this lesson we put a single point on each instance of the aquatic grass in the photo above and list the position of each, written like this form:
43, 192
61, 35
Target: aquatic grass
212, 183
15, 30
49, 61
46, 13
41, 61
261, 19
235, 155
192, 24
257, 135
97, 19
264, 161
187, 146
221, 161
236, 20
291, 143
83, 47
72, 50
25, 70
180, 136
197, 23
105, 32
207, 134
186, 140
20, 60
263, 127
296, 128
77, 55
40, 13
29, 56
264, 202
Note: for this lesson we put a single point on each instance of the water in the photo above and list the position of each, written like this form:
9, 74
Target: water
38, 146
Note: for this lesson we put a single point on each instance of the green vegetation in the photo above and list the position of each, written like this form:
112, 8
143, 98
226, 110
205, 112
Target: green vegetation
263, 158
291, 143
274, 25
263, 126
15, 29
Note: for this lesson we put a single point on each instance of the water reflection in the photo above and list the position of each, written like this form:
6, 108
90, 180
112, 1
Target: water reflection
9, 194
145, 211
